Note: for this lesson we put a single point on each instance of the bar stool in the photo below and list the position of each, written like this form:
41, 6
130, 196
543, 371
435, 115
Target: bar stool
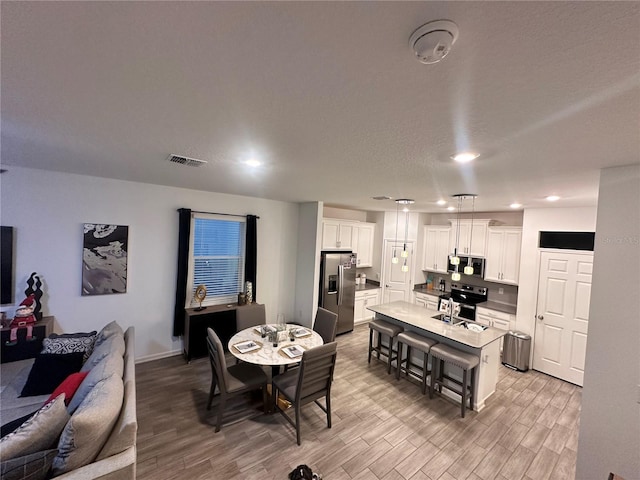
466, 361
422, 344
388, 329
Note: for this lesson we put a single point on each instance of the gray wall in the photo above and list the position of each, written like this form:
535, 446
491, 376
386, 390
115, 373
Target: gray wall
610, 420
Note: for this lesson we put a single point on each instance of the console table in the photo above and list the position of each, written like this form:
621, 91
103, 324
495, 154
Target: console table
23, 349
221, 318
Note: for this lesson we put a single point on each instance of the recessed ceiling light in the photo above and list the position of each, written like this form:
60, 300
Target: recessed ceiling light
441, 202
465, 157
451, 208
553, 198
515, 205
252, 162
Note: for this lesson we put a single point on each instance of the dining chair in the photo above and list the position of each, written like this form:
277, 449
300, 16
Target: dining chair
250, 316
234, 380
307, 384
326, 324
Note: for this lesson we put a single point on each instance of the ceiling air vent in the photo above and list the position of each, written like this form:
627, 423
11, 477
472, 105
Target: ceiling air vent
189, 162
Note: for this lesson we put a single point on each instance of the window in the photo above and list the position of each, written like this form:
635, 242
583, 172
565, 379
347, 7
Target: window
216, 258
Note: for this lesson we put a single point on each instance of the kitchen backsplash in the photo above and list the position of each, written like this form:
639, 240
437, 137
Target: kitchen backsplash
509, 293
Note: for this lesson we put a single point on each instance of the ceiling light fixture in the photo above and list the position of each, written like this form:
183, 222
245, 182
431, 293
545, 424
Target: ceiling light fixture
441, 202
468, 270
405, 253
515, 205
394, 258
455, 259
553, 198
252, 162
451, 208
465, 157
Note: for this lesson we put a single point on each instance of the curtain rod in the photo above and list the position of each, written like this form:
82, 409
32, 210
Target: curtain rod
225, 214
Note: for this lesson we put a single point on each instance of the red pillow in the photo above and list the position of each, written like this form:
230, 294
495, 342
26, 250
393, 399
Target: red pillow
68, 386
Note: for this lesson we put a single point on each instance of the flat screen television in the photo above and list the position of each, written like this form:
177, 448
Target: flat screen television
6, 265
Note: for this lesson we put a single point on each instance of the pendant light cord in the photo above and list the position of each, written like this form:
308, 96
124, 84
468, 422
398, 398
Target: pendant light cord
395, 244
473, 209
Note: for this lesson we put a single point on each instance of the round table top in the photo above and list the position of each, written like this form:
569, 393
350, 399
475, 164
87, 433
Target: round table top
267, 354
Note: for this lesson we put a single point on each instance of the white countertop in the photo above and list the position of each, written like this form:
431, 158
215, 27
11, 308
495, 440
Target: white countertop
420, 317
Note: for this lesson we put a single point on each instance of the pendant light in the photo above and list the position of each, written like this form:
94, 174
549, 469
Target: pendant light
468, 270
405, 253
455, 259
394, 258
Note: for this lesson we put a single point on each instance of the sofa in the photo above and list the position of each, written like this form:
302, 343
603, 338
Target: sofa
116, 458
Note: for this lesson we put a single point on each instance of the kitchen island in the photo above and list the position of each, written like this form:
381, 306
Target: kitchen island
485, 344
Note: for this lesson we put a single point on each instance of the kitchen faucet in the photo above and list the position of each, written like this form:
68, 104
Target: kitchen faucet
450, 309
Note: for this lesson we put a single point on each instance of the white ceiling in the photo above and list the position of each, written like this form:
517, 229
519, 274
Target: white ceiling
329, 95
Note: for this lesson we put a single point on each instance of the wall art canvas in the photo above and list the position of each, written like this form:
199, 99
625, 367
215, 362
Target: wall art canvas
104, 259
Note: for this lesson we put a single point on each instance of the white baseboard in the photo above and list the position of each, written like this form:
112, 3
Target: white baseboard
158, 356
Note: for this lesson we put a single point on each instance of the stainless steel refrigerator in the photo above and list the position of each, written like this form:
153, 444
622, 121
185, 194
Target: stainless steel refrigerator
338, 286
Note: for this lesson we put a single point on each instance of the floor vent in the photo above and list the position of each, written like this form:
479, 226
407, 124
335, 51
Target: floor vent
189, 162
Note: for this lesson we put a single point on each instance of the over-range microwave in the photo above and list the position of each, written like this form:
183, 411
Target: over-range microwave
476, 262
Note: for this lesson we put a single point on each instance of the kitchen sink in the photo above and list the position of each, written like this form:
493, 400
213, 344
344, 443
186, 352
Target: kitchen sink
446, 318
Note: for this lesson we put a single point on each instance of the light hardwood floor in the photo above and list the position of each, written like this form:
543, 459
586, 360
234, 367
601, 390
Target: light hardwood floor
382, 428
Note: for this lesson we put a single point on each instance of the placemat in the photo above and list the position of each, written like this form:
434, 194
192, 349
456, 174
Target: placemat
252, 351
283, 354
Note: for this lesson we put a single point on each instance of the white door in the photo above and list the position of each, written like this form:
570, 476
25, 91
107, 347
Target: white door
396, 285
564, 294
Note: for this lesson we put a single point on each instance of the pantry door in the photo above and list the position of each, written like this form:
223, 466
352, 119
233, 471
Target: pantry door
396, 284
562, 317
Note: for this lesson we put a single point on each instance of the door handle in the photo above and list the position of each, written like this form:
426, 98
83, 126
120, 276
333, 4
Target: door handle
387, 285
341, 284
540, 317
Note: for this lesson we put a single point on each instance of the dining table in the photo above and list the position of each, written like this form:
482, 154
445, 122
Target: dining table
249, 345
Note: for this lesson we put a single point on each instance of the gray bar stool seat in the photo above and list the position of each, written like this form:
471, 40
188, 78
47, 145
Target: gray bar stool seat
387, 329
422, 344
466, 361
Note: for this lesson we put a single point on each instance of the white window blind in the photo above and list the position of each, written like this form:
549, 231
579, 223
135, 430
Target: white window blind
217, 258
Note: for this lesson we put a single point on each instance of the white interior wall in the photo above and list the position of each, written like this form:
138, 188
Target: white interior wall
609, 440
48, 210
545, 219
308, 262
344, 214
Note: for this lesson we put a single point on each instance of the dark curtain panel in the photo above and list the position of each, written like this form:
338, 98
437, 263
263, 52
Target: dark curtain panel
184, 234
251, 254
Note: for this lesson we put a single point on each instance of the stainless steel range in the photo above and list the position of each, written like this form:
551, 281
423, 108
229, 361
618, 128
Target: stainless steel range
465, 299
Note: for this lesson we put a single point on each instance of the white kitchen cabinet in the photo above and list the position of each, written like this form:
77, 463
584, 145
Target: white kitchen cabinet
428, 301
337, 235
494, 318
363, 243
364, 299
503, 255
349, 235
435, 251
477, 235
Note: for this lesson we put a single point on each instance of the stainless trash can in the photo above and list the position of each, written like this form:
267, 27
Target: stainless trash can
516, 349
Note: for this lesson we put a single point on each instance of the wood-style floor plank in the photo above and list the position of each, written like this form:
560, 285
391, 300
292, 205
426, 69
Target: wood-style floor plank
383, 429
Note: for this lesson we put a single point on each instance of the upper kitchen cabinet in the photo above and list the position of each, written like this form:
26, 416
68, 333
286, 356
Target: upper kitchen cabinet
477, 236
337, 235
349, 235
435, 248
503, 255
363, 243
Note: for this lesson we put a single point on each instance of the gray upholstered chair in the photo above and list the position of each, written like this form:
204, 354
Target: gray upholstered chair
307, 384
326, 325
250, 316
233, 380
